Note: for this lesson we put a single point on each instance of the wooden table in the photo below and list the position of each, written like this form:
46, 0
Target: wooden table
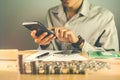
104, 74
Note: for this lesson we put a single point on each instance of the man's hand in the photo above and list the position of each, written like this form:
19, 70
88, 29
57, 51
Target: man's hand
65, 35
42, 39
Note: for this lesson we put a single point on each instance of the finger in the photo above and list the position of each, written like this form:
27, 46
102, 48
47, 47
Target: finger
57, 31
66, 34
50, 28
48, 42
43, 35
33, 34
62, 32
71, 36
47, 39
38, 39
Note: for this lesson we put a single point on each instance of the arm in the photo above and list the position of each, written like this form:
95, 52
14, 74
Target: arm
108, 38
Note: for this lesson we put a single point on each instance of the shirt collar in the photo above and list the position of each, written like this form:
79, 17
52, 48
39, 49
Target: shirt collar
84, 10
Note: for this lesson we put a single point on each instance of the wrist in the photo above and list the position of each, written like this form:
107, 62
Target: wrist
79, 43
44, 46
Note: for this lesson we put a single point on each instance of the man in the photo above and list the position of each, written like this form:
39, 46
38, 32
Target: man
79, 25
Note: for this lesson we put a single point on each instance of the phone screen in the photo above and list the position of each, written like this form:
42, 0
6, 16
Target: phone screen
39, 27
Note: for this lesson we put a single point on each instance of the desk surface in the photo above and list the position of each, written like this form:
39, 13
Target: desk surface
104, 74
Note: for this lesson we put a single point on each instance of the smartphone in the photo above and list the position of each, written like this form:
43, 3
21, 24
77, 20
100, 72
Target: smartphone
39, 27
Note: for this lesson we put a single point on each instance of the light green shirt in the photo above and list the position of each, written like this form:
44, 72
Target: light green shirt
93, 23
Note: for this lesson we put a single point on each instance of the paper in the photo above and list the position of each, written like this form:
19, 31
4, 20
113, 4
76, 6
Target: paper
54, 56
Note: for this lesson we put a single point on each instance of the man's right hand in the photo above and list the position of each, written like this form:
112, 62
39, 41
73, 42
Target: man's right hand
42, 39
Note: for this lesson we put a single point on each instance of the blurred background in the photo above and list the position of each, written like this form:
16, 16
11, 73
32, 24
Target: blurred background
13, 12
